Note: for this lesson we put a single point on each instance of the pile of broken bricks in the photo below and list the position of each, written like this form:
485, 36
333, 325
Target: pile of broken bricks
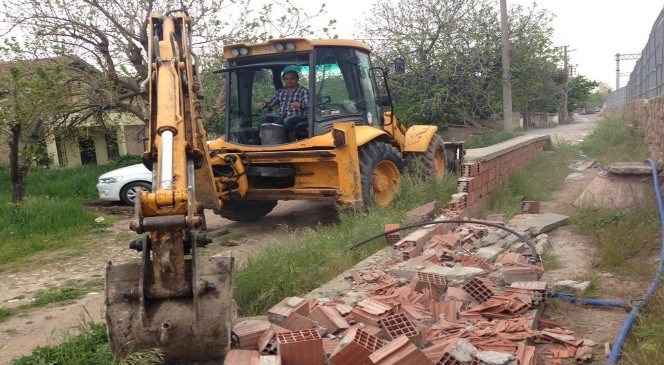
453, 295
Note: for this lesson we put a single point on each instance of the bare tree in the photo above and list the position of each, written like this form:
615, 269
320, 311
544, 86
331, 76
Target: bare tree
111, 36
102, 45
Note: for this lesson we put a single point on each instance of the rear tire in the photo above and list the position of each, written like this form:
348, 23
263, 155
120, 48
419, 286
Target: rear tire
129, 192
246, 210
431, 163
381, 166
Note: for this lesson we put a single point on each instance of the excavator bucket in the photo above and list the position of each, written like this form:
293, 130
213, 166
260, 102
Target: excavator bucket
194, 327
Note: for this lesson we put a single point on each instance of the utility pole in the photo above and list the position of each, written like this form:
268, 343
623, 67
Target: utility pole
507, 82
627, 56
564, 113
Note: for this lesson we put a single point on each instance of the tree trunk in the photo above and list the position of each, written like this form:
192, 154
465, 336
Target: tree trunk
17, 171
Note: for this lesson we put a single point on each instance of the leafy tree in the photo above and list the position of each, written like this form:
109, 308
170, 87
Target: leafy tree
580, 90
452, 50
537, 81
449, 50
29, 112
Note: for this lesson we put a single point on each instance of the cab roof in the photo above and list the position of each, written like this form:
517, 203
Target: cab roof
280, 46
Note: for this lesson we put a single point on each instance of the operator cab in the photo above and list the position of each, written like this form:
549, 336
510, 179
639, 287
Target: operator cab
337, 74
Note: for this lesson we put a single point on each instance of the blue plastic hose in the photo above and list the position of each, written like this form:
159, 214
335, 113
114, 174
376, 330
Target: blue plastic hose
596, 302
636, 307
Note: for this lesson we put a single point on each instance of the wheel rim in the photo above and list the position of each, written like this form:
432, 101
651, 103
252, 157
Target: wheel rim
385, 183
439, 164
133, 192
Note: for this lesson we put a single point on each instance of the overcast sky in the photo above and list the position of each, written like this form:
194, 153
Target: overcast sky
594, 30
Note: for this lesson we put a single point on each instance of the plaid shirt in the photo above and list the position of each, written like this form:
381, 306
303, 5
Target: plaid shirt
284, 98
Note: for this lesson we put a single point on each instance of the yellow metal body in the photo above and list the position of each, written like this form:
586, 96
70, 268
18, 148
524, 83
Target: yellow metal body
414, 139
323, 171
173, 301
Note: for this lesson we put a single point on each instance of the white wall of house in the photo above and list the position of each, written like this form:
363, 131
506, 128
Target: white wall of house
129, 133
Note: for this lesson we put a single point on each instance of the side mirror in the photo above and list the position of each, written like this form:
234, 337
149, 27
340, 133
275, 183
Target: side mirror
399, 65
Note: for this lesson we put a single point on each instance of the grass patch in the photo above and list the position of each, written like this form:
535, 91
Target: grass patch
625, 239
615, 140
51, 216
645, 344
551, 262
534, 182
63, 295
312, 257
38, 225
88, 347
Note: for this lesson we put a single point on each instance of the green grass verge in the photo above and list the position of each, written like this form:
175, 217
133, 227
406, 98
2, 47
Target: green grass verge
42, 224
615, 140
88, 347
51, 217
535, 182
627, 240
312, 257
645, 344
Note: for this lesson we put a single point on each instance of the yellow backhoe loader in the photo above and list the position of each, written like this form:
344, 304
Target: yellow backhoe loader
349, 149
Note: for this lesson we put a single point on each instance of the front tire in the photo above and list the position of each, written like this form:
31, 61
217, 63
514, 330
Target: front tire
381, 166
431, 163
246, 210
129, 192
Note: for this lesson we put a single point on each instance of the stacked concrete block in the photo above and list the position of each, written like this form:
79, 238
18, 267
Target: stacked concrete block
300, 348
242, 357
480, 289
355, 348
245, 334
482, 173
329, 317
394, 237
398, 325
286, 307
399, 352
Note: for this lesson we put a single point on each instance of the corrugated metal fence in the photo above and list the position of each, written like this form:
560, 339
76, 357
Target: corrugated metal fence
647, 78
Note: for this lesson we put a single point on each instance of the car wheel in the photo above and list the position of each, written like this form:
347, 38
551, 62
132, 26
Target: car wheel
129, 192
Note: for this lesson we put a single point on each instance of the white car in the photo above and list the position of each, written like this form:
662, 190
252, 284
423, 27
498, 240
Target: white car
125, 183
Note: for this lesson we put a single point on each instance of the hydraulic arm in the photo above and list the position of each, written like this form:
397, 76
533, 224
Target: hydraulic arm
172, 299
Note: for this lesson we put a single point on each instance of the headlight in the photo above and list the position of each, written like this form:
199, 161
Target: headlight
290, 46
235, 52
109, 180
244, 51
279, 47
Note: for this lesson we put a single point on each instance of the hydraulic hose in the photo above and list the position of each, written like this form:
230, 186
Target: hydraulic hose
534, 259
629, 321
596, 302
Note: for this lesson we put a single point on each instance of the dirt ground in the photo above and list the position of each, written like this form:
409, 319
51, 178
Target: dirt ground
20, 335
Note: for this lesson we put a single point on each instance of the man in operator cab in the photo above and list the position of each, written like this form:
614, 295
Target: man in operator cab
293, 101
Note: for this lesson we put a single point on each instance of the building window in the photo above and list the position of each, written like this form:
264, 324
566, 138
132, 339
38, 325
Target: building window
112, 149
62, 153
87, 147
